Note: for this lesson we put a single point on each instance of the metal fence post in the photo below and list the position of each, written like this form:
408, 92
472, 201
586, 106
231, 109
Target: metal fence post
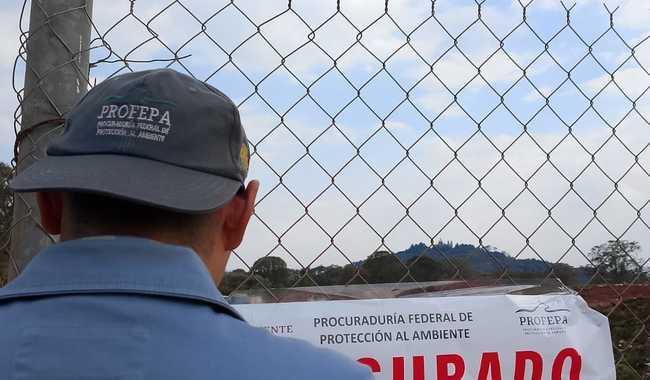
56, 76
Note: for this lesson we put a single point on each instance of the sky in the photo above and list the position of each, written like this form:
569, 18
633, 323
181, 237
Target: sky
351, 115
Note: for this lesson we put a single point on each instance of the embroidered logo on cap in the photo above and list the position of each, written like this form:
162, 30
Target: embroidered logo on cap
134, 120
244, 158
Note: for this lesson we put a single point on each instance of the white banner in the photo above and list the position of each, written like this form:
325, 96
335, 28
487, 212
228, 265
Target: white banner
453, 338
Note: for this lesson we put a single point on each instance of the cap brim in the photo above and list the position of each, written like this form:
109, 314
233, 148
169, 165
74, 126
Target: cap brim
132, 178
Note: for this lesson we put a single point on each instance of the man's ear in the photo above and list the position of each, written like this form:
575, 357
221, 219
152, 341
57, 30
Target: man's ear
237, 215
50, 205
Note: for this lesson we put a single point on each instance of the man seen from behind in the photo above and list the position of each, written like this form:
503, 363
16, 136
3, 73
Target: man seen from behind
146, 189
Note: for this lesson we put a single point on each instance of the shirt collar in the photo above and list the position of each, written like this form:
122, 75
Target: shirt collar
118, 265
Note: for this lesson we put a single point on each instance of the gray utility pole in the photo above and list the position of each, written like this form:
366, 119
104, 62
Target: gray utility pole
55, 78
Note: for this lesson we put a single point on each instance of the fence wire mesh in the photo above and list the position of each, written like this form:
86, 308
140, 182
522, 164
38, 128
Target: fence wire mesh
391, 128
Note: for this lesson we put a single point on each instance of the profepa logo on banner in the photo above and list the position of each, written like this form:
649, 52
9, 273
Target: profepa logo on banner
484, 337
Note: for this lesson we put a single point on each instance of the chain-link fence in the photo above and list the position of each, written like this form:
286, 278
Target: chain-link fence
396, 141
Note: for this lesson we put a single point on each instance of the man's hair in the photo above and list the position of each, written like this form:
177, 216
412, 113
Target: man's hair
92, 213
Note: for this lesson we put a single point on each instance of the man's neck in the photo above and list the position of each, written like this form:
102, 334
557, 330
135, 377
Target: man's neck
213, 258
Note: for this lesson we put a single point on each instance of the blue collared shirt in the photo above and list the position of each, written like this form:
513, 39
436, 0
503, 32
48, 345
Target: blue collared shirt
129, 308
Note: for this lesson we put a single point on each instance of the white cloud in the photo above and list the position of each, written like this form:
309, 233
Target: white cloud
534, 96
633, 14
432, 213
479, 212
554, 4
437, 101
396, 125
632, 81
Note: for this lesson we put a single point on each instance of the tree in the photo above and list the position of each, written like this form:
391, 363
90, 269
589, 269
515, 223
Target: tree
424, 268
274, 269
321, 275
382, 267
566, 273
326, 275
6, 217
617, 259
239, 279
234, 280
350, 274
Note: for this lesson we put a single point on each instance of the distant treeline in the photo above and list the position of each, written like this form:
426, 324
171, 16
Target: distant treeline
613, 261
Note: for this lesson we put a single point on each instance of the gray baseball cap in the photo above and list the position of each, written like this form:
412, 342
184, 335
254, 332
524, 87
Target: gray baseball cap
154, 137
